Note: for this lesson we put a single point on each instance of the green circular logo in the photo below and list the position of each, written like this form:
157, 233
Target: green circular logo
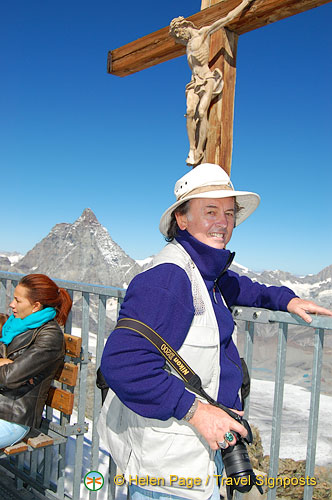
93, 480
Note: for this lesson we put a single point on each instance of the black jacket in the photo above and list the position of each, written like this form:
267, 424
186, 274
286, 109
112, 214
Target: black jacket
36, 354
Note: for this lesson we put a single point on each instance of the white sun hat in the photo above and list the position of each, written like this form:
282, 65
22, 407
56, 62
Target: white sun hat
209, 181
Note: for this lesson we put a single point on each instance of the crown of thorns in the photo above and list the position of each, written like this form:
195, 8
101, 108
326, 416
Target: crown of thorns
180, 22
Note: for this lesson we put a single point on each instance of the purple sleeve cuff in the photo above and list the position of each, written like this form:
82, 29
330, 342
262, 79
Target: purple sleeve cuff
285, 299
184, 404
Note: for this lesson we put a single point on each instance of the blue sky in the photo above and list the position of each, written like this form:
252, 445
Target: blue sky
72, 136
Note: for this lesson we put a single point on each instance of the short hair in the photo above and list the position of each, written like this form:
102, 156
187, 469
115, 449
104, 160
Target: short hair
183, 209
173, 227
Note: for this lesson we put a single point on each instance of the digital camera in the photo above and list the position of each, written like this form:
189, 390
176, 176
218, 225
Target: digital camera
237, 464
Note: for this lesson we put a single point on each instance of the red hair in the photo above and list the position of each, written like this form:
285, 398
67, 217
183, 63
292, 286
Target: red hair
3, 319
42, 289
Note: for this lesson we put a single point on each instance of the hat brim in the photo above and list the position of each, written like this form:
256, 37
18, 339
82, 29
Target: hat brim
248, 202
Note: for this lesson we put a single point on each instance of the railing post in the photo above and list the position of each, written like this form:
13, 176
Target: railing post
69, 322
118, 306
111, 474
248, 353
277, 406
97, 394
314, 410
14, 284
3, 295
77, 479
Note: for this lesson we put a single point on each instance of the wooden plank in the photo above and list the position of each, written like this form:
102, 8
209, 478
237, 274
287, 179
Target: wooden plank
159, 47
73, 345
16, 448
219, 144
68, 374
40, 441
60, 400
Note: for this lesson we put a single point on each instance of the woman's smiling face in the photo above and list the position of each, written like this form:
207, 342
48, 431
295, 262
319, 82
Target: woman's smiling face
209, 220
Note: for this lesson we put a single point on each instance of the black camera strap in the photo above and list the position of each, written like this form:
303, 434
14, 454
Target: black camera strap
190, 378
194, 383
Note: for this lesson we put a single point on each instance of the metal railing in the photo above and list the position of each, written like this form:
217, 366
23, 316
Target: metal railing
320, 325
98, 304
91, 303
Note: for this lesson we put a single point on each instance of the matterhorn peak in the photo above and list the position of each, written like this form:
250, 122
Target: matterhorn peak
88, 216
83, 251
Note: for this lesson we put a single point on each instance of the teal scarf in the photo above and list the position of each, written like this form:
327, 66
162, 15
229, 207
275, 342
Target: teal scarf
15, 326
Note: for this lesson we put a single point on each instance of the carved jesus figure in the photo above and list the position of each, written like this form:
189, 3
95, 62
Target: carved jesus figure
204, 84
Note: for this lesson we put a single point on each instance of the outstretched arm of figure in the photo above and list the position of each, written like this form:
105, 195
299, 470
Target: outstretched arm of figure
225, 20
303, 307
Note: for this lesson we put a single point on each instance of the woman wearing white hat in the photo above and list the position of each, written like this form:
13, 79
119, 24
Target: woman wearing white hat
153, 426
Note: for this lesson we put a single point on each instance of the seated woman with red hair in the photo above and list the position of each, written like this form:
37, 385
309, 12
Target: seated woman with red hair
31, 352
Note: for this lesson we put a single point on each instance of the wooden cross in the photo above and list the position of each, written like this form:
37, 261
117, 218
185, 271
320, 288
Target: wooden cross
159, 47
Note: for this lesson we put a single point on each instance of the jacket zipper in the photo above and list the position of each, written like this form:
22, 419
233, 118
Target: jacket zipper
232, 361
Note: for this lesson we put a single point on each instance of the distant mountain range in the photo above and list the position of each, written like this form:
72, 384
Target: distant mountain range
84, 251
317, 287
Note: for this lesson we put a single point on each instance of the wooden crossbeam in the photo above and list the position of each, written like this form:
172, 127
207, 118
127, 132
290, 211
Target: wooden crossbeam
159, 47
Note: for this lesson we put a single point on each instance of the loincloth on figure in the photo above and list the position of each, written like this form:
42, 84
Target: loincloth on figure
198, 84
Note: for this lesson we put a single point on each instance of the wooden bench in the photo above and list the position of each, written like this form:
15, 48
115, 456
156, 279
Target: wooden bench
61, 399
56, 428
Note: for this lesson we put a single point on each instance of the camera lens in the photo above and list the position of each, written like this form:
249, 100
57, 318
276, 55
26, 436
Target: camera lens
237, 465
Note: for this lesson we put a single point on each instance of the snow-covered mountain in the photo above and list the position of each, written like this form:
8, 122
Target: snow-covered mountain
7, 259
82, 251
317, 287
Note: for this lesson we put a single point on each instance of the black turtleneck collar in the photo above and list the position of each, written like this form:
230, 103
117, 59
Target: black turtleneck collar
210, 261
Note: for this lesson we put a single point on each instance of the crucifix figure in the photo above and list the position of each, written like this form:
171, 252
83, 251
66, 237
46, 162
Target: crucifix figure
160, 46
205, 84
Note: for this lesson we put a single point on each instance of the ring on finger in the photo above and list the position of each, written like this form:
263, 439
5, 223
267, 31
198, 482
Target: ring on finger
229, 436
223, 444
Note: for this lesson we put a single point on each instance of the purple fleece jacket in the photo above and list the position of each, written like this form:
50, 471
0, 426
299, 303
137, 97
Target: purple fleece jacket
161, 297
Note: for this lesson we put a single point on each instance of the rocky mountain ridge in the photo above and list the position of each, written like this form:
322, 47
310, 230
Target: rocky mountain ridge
83, 251
317, 287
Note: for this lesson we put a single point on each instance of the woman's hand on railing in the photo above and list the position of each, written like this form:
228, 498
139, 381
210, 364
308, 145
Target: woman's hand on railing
302, 307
